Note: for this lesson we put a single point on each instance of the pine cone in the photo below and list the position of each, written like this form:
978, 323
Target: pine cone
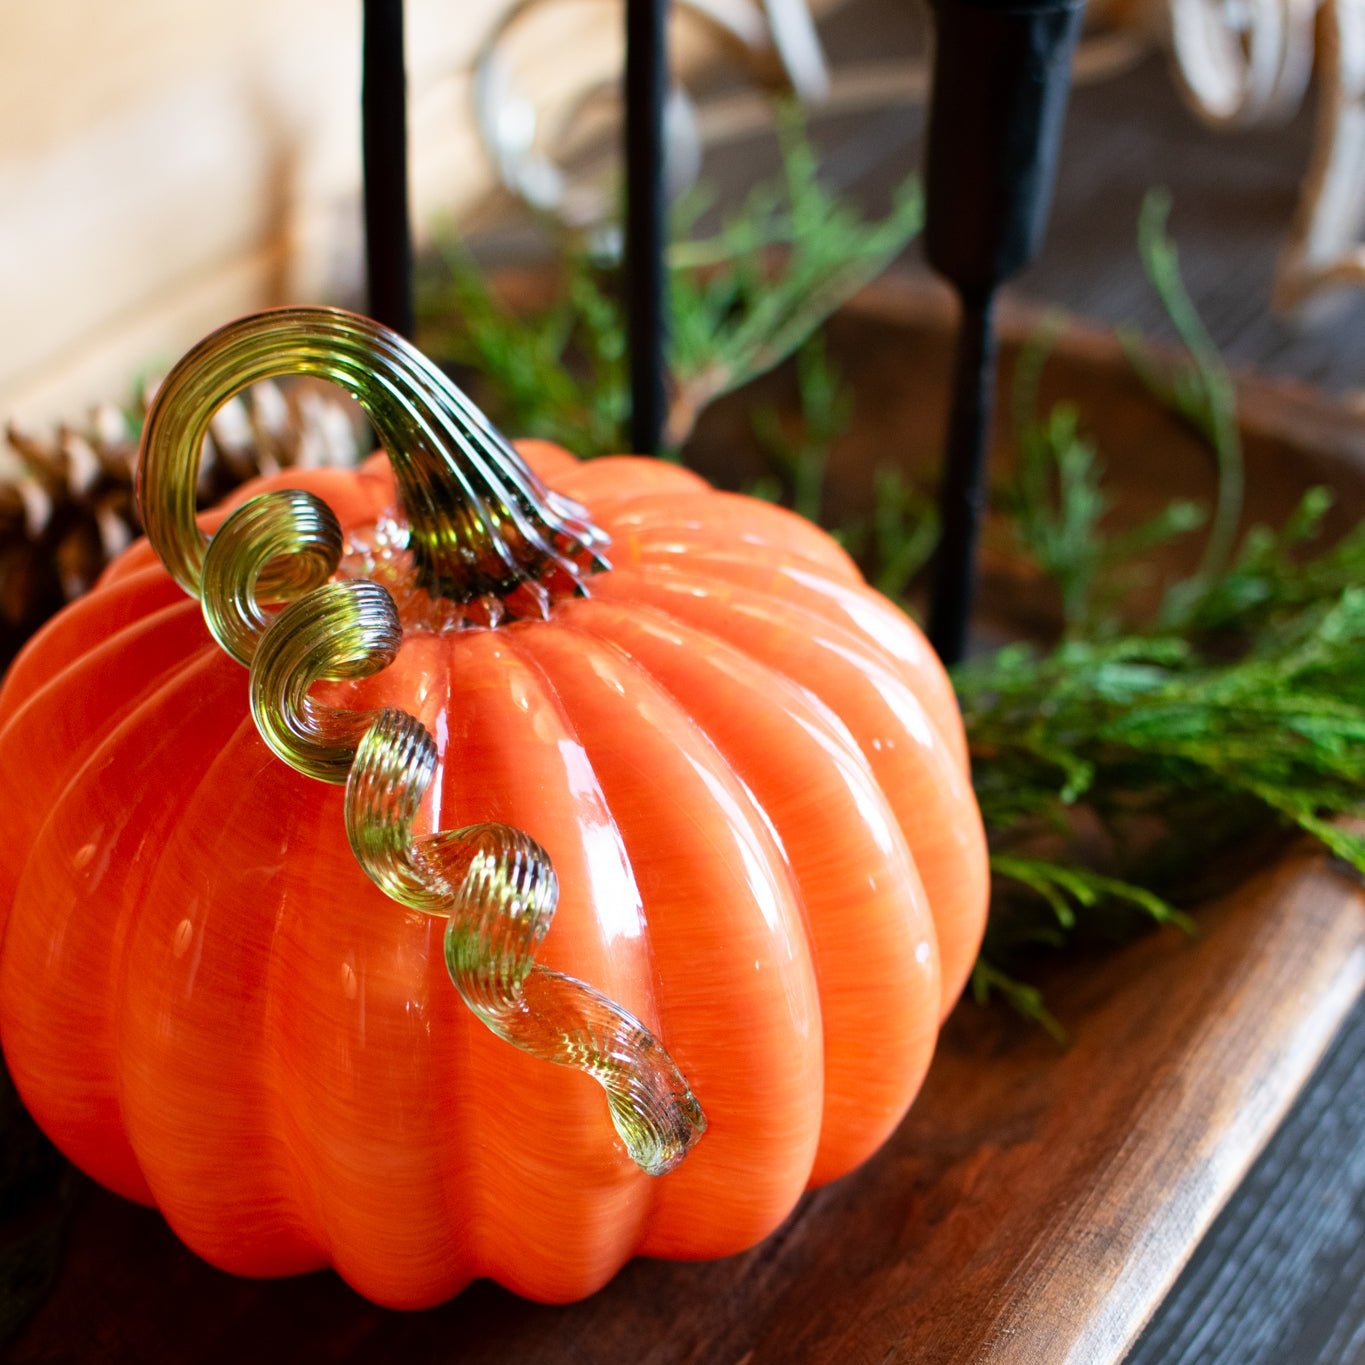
71, 507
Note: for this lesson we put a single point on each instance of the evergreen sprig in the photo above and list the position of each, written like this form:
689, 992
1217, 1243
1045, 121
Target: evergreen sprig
741, 301
1056, 508
798, 452
1236, 706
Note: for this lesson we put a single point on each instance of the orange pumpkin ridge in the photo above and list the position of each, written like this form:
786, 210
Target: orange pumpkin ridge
746, 767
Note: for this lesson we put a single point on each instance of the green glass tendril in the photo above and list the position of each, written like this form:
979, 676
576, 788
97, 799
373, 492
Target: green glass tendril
482, 529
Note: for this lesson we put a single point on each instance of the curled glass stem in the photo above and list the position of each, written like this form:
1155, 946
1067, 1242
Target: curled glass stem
497, 889
482, 525
289, 537
507, 895
338, 631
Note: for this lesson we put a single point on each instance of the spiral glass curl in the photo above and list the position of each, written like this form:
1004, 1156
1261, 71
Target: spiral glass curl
484, 534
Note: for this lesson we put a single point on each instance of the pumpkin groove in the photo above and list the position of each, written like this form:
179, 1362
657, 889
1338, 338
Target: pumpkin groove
748, 772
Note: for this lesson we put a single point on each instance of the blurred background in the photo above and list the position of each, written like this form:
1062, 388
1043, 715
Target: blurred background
164, 167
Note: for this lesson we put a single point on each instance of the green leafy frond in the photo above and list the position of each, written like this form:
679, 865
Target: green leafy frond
741, 302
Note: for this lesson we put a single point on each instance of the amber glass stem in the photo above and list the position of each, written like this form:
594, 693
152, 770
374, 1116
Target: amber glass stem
480, 521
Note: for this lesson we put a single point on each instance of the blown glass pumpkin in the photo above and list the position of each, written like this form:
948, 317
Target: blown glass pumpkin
647, 770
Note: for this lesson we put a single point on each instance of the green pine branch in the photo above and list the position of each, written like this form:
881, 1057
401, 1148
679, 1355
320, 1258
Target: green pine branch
741, 302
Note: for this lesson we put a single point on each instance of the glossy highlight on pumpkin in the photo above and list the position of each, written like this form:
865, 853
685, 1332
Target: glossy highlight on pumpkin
482, 541
749, 774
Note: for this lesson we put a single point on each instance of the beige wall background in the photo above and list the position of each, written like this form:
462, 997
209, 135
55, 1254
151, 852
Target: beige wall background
166, 165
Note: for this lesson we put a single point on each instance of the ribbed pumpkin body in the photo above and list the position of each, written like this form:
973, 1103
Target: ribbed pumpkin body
749, 771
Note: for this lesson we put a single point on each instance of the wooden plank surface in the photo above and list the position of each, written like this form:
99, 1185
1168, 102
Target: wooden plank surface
1037, 1202
1281, 1275
1233, 191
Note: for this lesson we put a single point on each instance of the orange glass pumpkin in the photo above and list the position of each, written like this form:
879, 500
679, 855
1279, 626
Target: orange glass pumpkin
746, 766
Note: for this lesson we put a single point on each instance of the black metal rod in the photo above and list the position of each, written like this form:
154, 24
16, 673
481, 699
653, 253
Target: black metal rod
384, 140
646, 219
963, 494
1002, 69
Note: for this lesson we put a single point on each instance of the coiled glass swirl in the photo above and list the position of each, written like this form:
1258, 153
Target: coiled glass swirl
482, 529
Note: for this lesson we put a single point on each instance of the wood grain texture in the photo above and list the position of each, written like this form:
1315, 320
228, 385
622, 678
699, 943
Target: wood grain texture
1037, 1203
